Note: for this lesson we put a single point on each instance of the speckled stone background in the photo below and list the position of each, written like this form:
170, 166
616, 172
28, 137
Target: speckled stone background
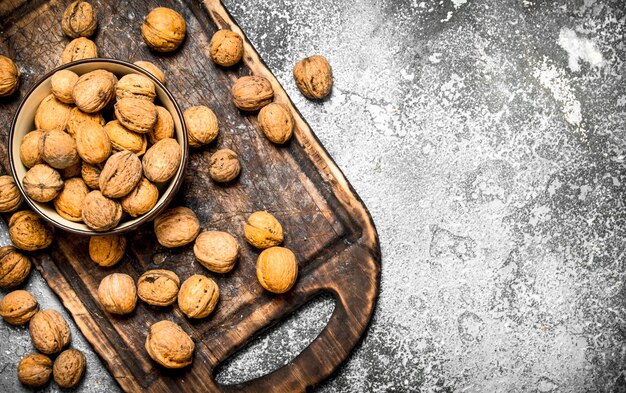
487, 138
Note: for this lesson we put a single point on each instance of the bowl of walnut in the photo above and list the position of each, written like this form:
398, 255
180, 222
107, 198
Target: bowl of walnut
98, 146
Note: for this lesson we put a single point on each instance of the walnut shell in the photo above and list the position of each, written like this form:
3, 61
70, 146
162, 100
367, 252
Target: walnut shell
217, 251
262, 230
79, 49
314, 77
9, 76
29, 149
198, 296
78, 119
58, 149
176, 227
94, 90
135, 86
121, 173
101, 213
162, 160
277, 122
226, 48
69, 368
52, 114
251, 93
136, 114
224, 166
34, 370
14, 267
10, 197
108, 250
141, 199
29, 232
163, 128
117, 293
152, 69
42, 183
49, 332
201, 125
71, 171
69, 202
62, 84
91, 175
277, 269
124, 139
169, 345
18, 307
158, 287
79, 20
163, 29
93, 143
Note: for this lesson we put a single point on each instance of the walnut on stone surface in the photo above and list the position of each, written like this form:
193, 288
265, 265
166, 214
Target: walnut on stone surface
29, 232
69, 368
14, 267
18, 307
49, 332
34, 370
10, 197
314, 77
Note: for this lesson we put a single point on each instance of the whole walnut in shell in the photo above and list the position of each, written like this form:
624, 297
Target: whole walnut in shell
107, 250
34, 370
217, 251
226, 48
49, 332
176, 227
201, 125
18, 307
58, 149
121, 173
79, 49
52, 114
135, 86
163, 29
163, 128
94, 90
91, 175
262, 230
29, 232
69, 202
9, 76
93, 143
251, 93
277, 269
30, 155
78, 119
224, 166
72, 170
198, 296
79, 20
101, 213
314, 77
123, 139
10, 197
69, 368
14, 267
152, 69
277, 122
42, 183
158, 287
141, 199
117, 293
136, 114
169, 345
62, 84
162, 160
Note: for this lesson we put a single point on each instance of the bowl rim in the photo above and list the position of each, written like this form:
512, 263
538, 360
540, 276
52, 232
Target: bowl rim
178, 179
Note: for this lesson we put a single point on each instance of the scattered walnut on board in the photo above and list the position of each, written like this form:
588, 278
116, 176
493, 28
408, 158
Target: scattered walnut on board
10, 197
277, 122
135, 86
58, 149
123, 139
94, 90
30, 155
117, 293
251, 93
162, 160
198, 296
163, 30
152, 69
29, 232
79, 49
42, 183
217, 251
69, 202
93, 143
141, 199
101, 213
262, 230
18, 307
169, 345
158, 287
91, 175
14, 267
277, 269
224, 166
9, 76
52, 114
120, 175
164, 126
136, 114
226, 48
202, 127
62, 83
49, 332
176, 227
69, 368
314, 77
78, 119
107, 250
79, 20
34, 370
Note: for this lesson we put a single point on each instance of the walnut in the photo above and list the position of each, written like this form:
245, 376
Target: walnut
78, 119
163, 128
198, 296
62, 84
163, 30
69, 202
277, 122
29, 149
121, 173
262, 230
101, 213
224, 166
169, 345
314, 77
18, 307
152, 69
201, 125
34, 370
124, 139
107, 250
79, 20
226, 48
136, 114
176, 227
91, 175
277, 269
69, 368
52, 114
42, 183
135, 86
94, 90
117, 293
217, 251
158, 287
162, 160
93, 143
79, 49
58, 149
251, 93
29, 232
141, 199
14, 267
9, 76
71, 171
10, 197
49, 332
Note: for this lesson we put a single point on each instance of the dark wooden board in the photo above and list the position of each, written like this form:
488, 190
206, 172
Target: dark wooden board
325, 223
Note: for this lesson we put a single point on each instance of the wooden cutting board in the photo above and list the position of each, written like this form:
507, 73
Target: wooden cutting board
325, 222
